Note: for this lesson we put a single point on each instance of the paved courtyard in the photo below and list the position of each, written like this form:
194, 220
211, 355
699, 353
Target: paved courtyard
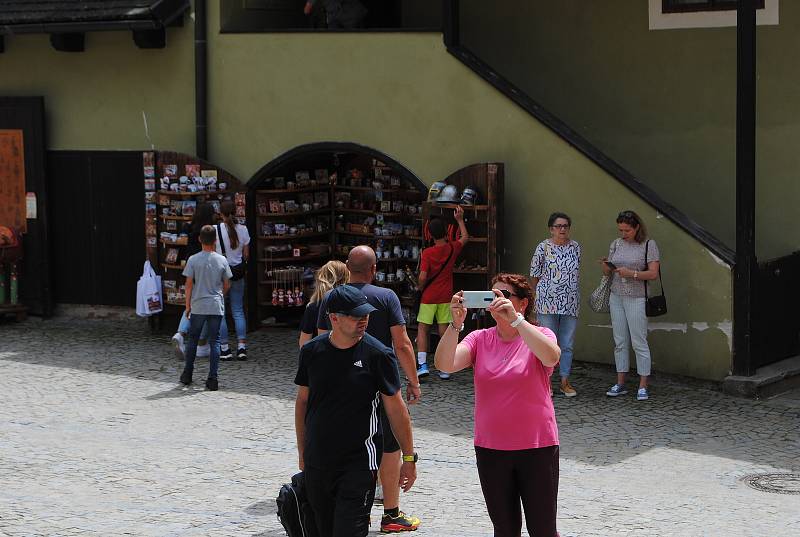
97, 438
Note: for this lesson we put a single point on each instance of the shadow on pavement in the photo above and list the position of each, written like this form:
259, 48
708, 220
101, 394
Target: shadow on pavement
594, 429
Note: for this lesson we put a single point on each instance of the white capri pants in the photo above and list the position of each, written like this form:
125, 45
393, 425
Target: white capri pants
629, 323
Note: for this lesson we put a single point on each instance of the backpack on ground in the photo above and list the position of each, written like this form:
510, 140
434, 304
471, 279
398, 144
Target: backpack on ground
294, 511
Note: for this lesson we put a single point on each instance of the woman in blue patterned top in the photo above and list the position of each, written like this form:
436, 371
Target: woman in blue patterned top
554, 278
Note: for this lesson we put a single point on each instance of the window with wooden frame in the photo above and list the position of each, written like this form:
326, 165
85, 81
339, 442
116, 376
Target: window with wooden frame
688, 6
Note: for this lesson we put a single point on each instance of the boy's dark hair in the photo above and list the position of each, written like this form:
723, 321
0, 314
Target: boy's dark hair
436, 228
208, 235
555, 216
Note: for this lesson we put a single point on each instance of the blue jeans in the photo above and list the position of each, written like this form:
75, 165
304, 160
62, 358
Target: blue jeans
236, 297
563, 326
197, 322
183, 326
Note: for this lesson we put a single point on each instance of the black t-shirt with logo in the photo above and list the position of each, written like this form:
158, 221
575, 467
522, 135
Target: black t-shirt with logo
343, 431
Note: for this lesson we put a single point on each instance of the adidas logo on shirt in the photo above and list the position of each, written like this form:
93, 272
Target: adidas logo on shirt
358, 364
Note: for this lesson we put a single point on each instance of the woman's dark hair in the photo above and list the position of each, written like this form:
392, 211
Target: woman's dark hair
520, 285
556, 216
436, 228
635, 221
203, 216
228, 209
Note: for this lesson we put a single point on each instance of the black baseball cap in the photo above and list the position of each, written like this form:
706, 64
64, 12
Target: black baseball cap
349, 300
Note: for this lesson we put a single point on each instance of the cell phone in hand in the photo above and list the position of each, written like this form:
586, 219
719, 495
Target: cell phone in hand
611, 265
478, 299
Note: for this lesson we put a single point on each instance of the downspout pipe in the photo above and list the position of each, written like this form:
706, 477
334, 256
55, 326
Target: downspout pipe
745, 271
200, 79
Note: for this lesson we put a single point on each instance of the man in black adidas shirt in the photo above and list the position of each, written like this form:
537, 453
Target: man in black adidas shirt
342, 377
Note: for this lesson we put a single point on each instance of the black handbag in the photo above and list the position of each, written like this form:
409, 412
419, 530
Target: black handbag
654, 306
239, 270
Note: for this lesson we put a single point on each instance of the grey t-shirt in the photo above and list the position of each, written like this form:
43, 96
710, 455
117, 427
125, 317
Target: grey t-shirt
389, 313
207, 269
630, 255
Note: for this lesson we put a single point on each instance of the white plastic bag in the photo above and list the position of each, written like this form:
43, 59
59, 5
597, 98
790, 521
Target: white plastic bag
148, 292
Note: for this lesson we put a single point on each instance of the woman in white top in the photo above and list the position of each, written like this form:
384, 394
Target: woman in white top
234, 240
633, 259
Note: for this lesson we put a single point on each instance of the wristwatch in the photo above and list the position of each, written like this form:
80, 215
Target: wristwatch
411, 458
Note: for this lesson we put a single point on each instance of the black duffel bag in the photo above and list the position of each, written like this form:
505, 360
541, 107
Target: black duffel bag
294, 511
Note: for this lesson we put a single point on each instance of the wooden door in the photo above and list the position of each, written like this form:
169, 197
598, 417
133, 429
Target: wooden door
96, 202
26, 115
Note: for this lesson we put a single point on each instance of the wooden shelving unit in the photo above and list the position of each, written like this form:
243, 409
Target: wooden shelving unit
345, 195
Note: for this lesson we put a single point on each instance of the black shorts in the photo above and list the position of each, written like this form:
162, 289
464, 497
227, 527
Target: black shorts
390, 444
341, 500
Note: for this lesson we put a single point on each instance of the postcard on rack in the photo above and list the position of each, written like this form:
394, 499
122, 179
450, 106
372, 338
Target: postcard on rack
150, 209
240, 198
172, 225
176, 207
150, 183
188, 207
149, 171
172, 256
148, 159
150, 228
163, 199
149, 197
151, 242
208, 173
170, 170
240, 210
192, 170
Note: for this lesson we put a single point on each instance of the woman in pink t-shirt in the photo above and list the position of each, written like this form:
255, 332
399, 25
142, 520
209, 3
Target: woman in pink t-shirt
516, 436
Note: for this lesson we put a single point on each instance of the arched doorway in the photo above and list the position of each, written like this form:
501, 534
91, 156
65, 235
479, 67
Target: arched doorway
315, 202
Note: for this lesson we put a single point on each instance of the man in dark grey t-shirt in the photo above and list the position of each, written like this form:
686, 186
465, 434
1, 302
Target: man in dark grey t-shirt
387, 325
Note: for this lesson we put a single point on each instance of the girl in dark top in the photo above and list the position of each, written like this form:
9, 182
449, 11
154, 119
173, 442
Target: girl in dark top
331, 274
204, 215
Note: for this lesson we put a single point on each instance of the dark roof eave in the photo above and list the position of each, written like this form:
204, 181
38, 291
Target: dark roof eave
79, 27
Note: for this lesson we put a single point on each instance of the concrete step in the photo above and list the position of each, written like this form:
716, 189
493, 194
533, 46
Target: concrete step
770, 380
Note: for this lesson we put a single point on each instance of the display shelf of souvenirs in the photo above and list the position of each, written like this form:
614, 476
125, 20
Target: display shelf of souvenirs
287, 286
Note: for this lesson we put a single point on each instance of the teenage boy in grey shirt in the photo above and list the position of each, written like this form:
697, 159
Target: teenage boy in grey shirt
207, 280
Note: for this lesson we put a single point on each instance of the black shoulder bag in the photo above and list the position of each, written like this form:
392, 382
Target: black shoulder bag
237, 270
655, 306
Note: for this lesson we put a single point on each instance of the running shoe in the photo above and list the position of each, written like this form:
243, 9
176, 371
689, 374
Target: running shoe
615, 390
401, 522
422, 371
226, 355
642, 395
241, 354
180, 348
444, 376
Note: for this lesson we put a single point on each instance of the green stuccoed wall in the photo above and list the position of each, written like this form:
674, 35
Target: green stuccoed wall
404, 95
661, 103
96, 99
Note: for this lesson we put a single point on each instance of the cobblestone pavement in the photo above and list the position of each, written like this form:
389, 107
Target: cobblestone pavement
96, 438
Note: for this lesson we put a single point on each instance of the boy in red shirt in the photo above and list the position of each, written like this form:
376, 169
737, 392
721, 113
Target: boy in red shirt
436, 281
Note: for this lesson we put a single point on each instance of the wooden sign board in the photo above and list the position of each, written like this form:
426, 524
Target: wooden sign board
12, 180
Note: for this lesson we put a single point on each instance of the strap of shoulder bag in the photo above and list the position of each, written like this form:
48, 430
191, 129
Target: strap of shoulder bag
446, 261
660, 281
222, 242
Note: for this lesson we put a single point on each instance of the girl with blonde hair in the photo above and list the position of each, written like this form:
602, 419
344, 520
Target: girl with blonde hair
331, 274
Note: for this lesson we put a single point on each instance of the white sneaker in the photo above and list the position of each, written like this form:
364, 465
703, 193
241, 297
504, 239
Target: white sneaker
203, 350
642, 394
180, 348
